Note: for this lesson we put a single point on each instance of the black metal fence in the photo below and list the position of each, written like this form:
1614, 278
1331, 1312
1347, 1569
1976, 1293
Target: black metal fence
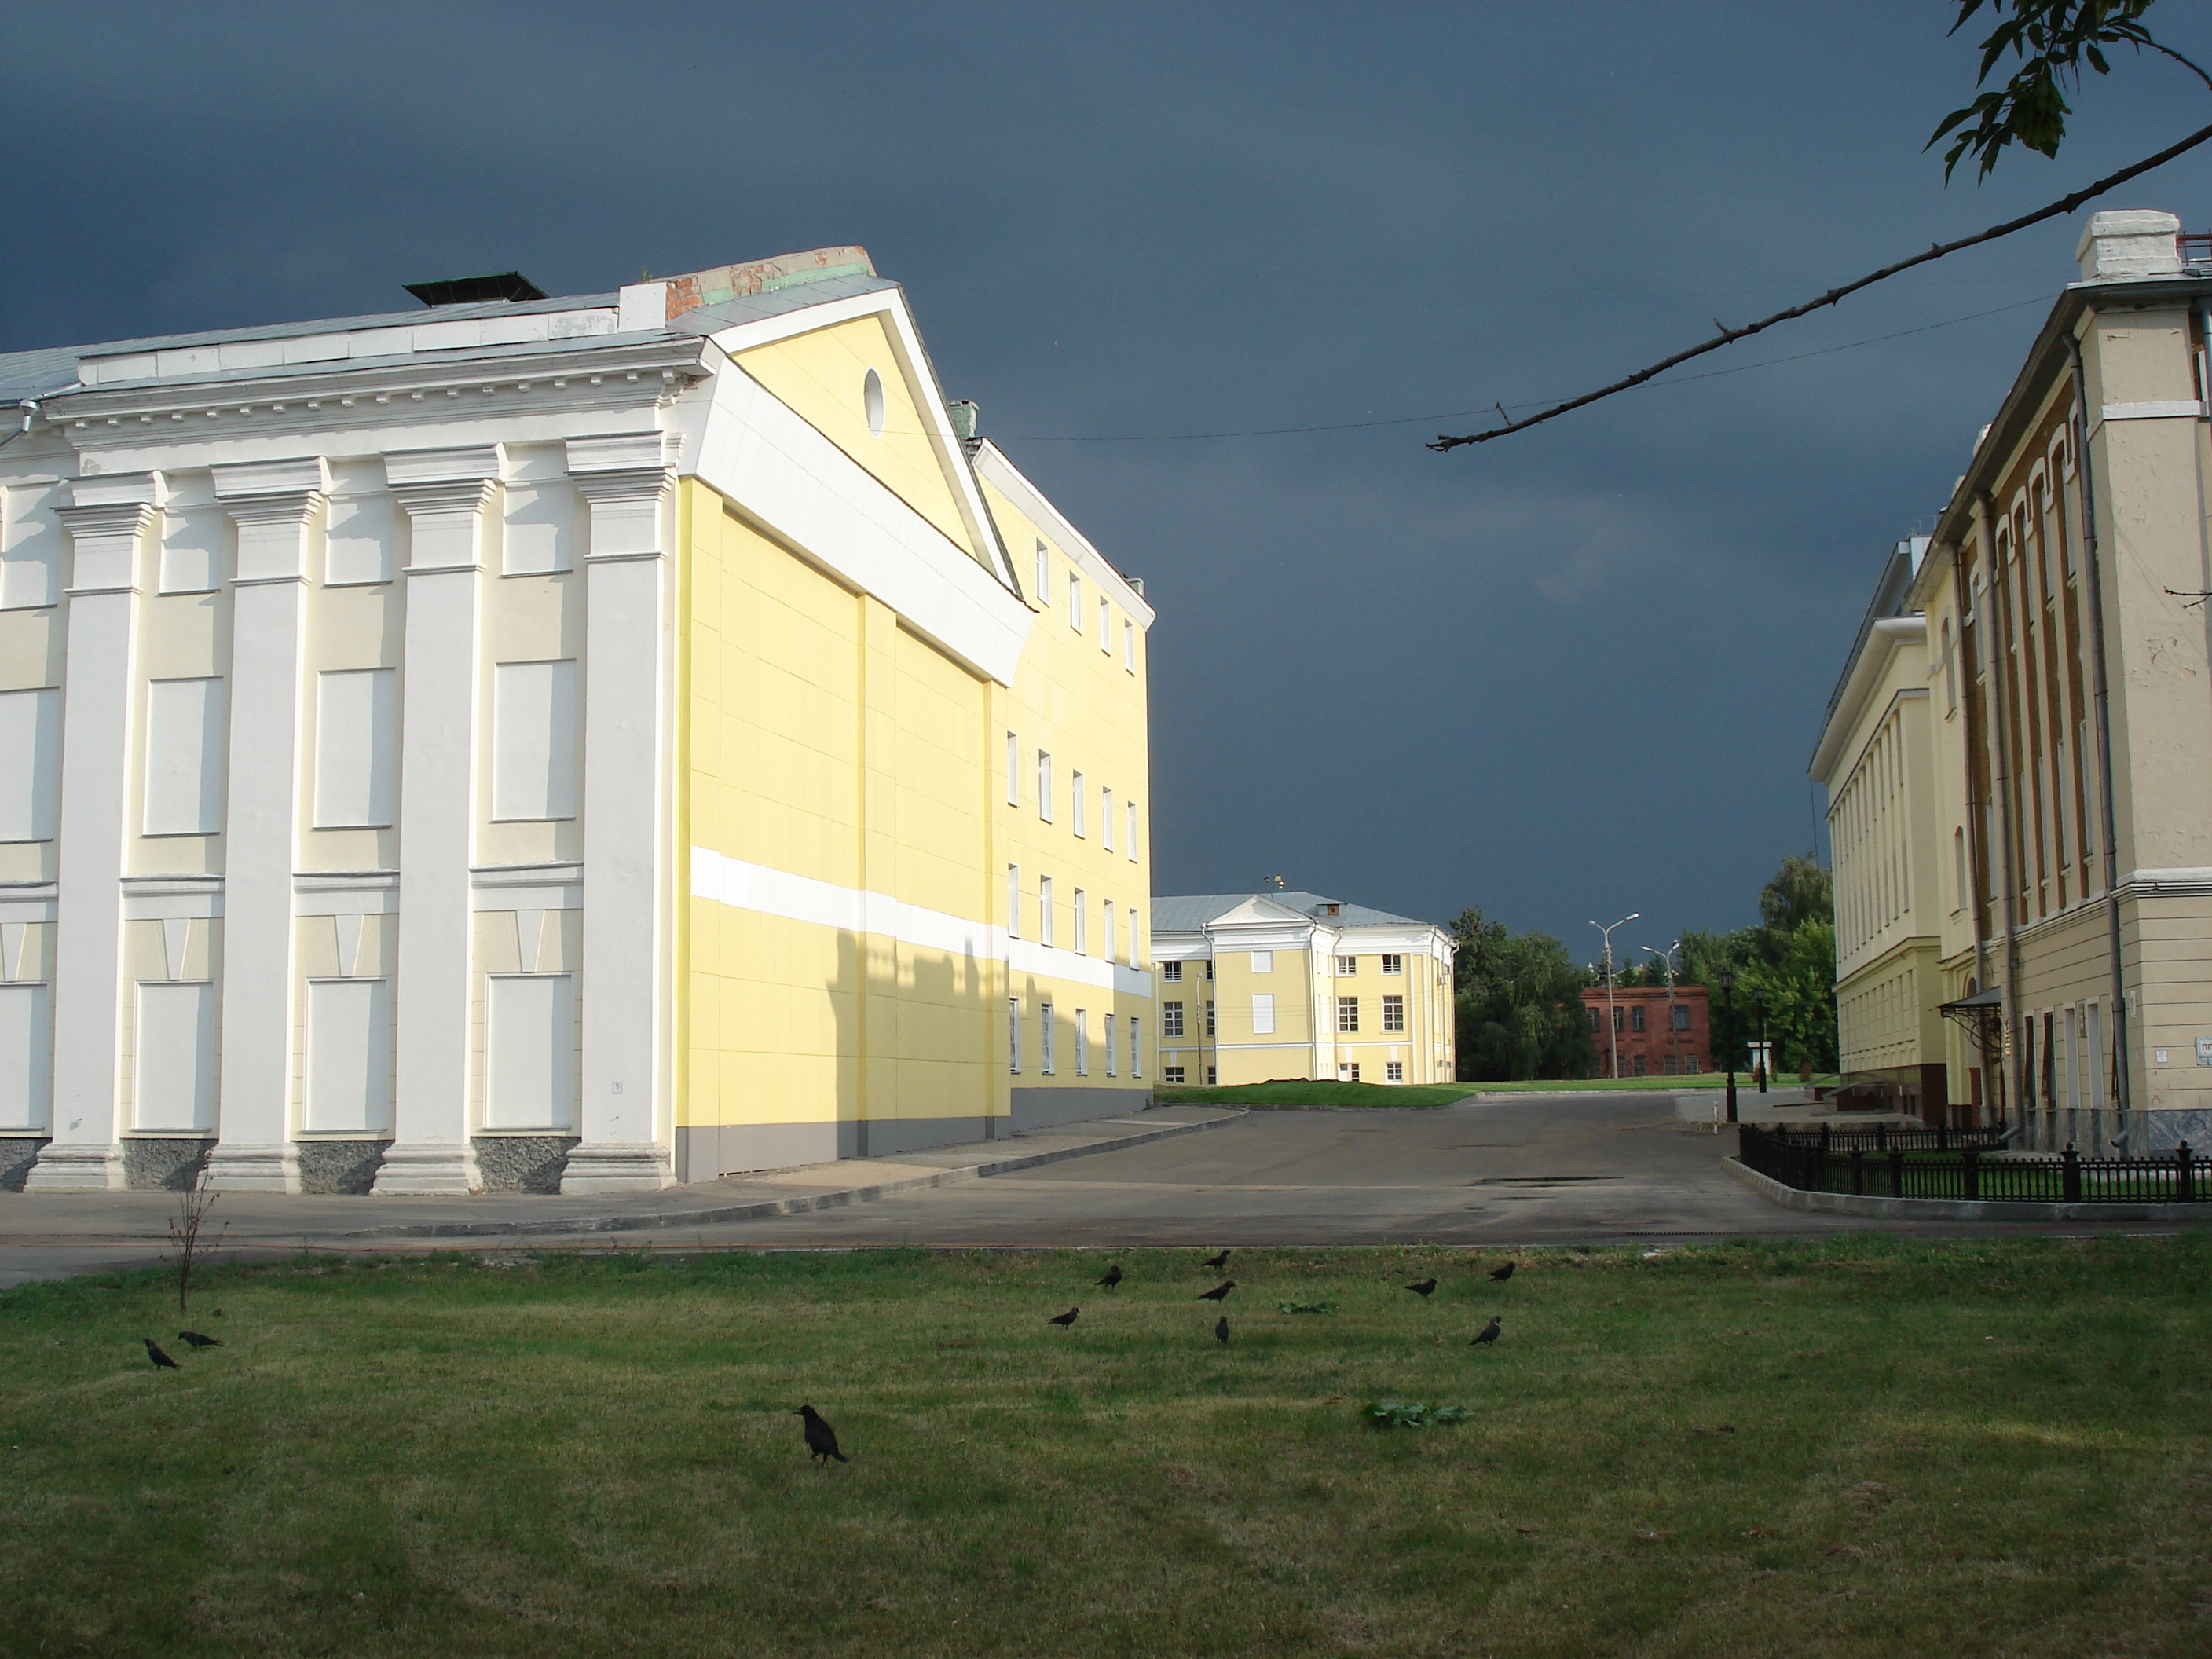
1964, 1164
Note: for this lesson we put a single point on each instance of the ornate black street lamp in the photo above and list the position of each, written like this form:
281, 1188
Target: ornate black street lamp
1727, 977
1759, 996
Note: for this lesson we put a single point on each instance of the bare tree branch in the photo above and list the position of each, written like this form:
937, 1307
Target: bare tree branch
1729, 336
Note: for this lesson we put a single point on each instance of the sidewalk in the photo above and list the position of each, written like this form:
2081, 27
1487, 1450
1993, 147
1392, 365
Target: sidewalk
49, 1235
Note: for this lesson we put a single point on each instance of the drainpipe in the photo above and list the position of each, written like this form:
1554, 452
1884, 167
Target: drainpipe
2001, 779
1978, 875
2123, 1094
30, 408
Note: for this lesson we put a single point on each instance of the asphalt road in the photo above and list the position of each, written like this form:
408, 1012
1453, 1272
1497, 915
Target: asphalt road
1525, 1169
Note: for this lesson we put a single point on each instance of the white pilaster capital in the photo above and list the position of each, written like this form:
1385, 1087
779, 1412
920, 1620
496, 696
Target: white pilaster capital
310, 475
445, 522
272, 533
104, 541
624, 504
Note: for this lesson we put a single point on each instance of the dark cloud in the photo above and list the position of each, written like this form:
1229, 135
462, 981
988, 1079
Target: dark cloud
1573, 674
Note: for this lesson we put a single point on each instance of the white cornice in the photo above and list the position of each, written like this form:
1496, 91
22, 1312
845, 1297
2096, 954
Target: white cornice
991, 464
1888, 637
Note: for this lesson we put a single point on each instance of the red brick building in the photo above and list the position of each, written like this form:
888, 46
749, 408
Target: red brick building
1658, 1032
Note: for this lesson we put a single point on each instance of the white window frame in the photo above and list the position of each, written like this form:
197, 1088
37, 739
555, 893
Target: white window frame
1347, 1013
1105, 624
1394, 962
1263, 961
1075, 601
1132, 832
1263, 1014
1045, 1055
1083, 1041
1106, 929
1136, 1046
1171, 1015
1347, 967
1393, 1006
1082, 922
1129, 645
1014, 1035
1171, 973
1045, 929
1013, 769
1107, 1039
1044, 575
1393, 1071
1013, 901
1106, 819
1078, 820
1044, 784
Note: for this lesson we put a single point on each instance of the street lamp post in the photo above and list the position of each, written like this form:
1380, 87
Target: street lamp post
1759, 996
1673, 1032
1612, 1037
1727, 977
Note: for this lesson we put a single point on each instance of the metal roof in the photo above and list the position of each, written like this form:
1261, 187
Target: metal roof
775, 302
1190, 913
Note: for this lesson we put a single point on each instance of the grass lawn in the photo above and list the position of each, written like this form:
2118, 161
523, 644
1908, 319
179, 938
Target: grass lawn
1856, 1447
1299, 1093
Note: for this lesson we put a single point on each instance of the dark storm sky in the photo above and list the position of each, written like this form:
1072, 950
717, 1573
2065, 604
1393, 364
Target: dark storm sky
1566, 676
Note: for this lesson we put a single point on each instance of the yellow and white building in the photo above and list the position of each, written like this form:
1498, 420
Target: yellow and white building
1258, 987
602, 741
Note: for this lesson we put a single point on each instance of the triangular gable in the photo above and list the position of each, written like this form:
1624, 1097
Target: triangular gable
1260, 909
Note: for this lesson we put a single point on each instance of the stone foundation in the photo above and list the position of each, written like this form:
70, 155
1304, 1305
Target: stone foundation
17, 1154
161, 1164
523, 1164
339, 1166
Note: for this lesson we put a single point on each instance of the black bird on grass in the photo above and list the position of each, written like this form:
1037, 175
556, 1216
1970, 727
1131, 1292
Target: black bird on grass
1501, 1274
1113, 1276
1221, 1330
821, 1438
199, 1341
1064, 1320
1218, 1291
1424, 1289
1216, 1262
1488, 1334
161, 1361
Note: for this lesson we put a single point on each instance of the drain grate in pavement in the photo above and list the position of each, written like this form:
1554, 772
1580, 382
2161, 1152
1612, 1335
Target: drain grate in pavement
1536, 1180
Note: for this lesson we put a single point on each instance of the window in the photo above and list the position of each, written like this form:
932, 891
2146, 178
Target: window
1393, 965
1106, 930
1959, 869
1263, 1014
1209, 967
1105, 627
1619, 1019
1013, 770
1636, 1018
1209, 1017
1014, 1034
1263, 961
1044, 1039
1082, 922
1013, 901
1044, 914
1950, 669
1106, 819
1393, 1071
1129, 645
1690, 1067
1136, 1049
1083, 1041
1212, 1074
533, 772
1637, 1066
1394, 1013
1133, 926
1107, 1039
1347, 1013
1075, 601
1170, 1019
872, 402
1172, 1073
1075, 804
1678, 1017
1348, 1071
1172, 972
1592, 1014
1043, 574
1044, 786
1347, 965
1668, 1066
1132, 832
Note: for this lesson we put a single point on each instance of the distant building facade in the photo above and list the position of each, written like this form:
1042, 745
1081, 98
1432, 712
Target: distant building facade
1654, 1031
1256, 987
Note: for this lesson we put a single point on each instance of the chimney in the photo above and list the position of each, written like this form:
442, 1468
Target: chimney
2129, 246
966, 417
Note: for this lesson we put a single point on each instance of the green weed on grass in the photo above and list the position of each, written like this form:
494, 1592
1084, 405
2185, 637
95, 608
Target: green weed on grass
1857, 1446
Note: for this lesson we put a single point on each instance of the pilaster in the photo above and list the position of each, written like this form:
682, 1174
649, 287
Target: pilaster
626, 1127
444, 494
106, 526
276, 506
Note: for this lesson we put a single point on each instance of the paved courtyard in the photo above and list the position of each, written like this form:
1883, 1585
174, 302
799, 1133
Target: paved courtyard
1497, 1173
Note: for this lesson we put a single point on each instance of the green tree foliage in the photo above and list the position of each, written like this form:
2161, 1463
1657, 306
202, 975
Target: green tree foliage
2052, 39
1790, 955
1517, 1004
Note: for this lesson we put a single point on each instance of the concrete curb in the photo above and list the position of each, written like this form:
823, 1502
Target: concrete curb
1958, 1209
760, 1209
1255, 1106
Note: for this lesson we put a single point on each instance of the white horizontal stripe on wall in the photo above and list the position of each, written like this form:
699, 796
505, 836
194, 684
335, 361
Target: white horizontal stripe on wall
530, 1060
748, 886
534, 740
356, 743
26, 1056
175, 1050
30, 763
349, 1055
184, 757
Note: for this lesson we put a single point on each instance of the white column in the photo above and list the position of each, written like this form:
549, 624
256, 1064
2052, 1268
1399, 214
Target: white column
444, 494
627, 1126
100, 674
275, 506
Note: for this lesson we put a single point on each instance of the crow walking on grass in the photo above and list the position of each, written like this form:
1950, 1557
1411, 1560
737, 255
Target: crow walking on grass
161, 1361
1113, 1276
1488, 1334
1219, 1292
1216, 1262
821, 1438
199, 1341
1221, 1330
1501, 1274
1064, 1320
1424, 1289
